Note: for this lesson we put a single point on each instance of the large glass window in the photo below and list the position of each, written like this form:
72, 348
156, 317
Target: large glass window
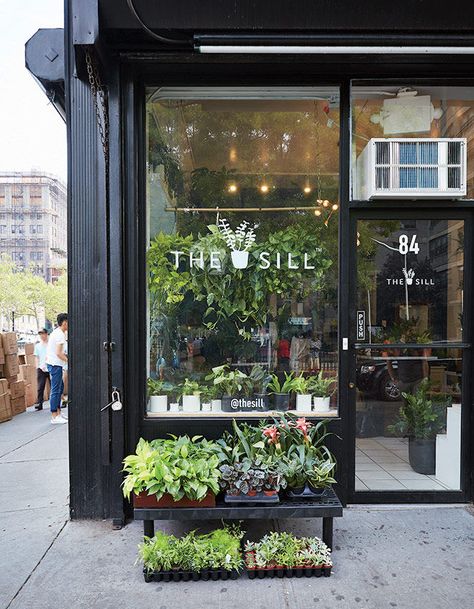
242, 236
412, 142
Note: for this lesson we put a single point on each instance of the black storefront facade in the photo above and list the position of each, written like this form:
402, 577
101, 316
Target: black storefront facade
341, 131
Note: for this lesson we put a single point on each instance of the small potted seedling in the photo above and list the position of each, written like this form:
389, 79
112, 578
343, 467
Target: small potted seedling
260, 377
320, 476
158, 398
191, 393
302, 388
281, 391
322, 389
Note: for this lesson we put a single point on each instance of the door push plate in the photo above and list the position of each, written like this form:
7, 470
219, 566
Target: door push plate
345, 344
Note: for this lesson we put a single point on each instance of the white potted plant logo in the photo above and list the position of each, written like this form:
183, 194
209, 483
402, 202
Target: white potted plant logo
409, 275
239, 241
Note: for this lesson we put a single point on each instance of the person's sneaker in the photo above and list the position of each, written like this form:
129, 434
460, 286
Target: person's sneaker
38, 406
63, 417
59, 420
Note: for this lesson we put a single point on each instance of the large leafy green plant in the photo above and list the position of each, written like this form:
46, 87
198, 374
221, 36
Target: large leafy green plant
420, 417
322, 387
180, 467
287, 386
229, 382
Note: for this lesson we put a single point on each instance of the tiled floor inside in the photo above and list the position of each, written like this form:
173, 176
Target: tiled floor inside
382, 464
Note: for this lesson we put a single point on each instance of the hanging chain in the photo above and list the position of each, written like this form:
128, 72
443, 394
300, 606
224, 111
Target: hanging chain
99, 96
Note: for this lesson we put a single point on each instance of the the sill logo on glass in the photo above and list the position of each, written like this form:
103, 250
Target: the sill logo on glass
239, 243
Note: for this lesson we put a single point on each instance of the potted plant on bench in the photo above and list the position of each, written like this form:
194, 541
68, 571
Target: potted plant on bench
173, 472
302, 388
158, 396
191, 396
232, 386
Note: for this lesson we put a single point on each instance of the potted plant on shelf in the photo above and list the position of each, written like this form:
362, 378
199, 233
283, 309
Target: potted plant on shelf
206, 393
249, 473
322, 389
191, 396
232, 385
260, 377
158, 397
302, 388
173, 472
421, 419
281, 391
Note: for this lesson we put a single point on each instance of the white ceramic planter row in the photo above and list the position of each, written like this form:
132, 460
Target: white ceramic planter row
192, 403
303, 403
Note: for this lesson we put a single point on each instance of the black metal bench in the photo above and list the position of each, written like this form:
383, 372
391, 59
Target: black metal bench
327, 508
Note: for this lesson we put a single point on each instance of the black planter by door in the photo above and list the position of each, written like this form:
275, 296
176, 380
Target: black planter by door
422, 455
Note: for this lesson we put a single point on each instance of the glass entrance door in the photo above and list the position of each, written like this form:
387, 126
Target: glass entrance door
410, 354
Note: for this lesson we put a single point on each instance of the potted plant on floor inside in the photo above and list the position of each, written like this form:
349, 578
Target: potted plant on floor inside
191, 396
421, 419
281, 391
249, 473
173, 472
322, 389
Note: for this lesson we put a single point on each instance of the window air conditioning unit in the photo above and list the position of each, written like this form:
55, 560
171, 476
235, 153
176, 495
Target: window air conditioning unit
410, 168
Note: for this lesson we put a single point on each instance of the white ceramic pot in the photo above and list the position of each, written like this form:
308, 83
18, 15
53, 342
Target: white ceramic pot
240, 259
174, 407
303, 402
216, 405
158, 403
206, 406
191, 403
321, 404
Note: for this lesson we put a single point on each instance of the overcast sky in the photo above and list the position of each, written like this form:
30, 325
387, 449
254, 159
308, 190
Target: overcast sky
32, 134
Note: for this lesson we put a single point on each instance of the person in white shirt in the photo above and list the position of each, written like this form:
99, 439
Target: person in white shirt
41, 368
56, 359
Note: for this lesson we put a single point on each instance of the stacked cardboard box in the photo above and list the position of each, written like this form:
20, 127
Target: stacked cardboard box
5, 403
17, 393
28, 376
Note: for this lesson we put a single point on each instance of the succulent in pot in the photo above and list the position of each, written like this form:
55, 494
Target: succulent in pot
281, 390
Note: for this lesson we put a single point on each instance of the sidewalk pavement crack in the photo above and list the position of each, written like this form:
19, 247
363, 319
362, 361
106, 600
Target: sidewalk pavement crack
9, 452
37, 565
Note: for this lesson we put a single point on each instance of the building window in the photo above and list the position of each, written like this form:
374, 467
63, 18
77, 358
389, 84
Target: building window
32, 229
253, 287
3, 193
17, 194
3, 229
18, 256
413, 142
39, 229
36, 255
36, 192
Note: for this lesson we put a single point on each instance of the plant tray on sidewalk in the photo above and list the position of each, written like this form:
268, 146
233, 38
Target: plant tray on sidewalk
260, 573
187, 576
143, 500
257, 499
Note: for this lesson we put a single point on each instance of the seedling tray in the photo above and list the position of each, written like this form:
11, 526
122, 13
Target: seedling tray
287, 572
258, 499
187, 576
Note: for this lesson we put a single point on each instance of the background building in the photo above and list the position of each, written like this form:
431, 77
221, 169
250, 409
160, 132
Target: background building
33, 221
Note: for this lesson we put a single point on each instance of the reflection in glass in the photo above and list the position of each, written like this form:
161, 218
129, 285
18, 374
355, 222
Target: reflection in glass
410, 280
243, 248
408, 419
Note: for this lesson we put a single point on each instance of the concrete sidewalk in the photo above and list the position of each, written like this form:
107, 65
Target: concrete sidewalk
410, 557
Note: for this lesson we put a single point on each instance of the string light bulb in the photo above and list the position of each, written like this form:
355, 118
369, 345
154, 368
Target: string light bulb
232, 188
317, 212
335, 207
325, 203
264, 188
